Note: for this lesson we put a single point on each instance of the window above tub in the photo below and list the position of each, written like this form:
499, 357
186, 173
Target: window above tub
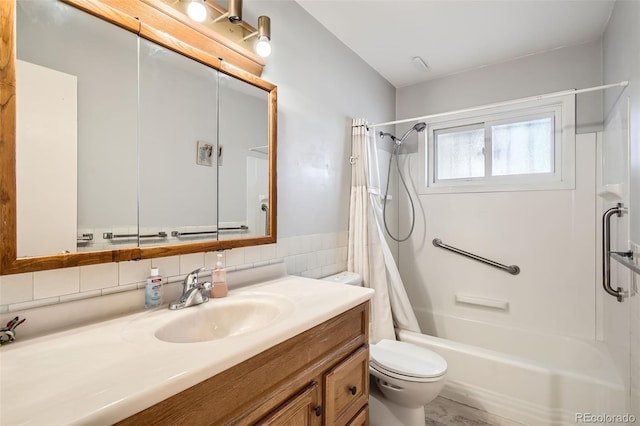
527, 147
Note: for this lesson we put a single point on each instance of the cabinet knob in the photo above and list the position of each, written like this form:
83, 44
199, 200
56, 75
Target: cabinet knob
318, 410
353, 390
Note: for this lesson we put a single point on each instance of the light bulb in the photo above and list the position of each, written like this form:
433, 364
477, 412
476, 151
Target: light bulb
197, 11
263, 47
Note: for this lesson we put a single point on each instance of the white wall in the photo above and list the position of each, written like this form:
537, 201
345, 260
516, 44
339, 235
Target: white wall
567, 68
622, 62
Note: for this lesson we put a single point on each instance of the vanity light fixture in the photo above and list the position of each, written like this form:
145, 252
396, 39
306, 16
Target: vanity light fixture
234, 14
197, 10
263, 46
235, 11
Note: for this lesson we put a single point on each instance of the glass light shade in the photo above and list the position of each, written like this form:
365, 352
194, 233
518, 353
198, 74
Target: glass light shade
197, 10
263, 47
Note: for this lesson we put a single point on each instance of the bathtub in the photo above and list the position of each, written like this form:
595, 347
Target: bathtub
532, 378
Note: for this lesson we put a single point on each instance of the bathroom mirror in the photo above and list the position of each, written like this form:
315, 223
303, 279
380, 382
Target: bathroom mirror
178, 173
145, 144
76, 131
243, 160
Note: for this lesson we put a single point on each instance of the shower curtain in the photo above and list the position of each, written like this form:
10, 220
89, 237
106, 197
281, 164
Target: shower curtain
368, 252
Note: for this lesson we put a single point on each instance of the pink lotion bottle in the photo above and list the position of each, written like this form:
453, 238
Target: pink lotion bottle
219, 278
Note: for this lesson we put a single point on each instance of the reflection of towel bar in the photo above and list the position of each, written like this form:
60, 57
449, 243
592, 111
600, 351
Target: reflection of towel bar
230, 228
265, 209
235, 228
111, 235
85, 238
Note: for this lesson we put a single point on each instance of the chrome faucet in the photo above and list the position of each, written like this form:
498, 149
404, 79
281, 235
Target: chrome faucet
193, 292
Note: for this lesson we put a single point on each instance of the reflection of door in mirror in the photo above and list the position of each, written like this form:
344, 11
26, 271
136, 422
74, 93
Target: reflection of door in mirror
244, 172
45, 159
72, 49
178, 135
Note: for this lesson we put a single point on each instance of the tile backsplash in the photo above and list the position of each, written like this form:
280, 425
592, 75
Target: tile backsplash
312, 256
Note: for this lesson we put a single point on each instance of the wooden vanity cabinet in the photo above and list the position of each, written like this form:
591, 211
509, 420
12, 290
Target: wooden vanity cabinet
319, 377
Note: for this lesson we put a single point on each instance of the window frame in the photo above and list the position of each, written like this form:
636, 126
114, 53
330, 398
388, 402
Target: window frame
561, 109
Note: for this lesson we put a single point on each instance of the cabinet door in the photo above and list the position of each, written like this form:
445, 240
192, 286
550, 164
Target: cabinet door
301, 410
346, 388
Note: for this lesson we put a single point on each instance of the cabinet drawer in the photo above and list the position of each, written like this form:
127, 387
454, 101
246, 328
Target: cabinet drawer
361, 419
347, 388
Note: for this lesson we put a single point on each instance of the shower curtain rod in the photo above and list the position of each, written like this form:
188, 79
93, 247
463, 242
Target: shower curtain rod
505, 103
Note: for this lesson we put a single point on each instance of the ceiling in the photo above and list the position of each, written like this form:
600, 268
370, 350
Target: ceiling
453, 36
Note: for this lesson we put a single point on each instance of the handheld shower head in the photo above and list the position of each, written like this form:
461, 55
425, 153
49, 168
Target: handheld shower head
418, 127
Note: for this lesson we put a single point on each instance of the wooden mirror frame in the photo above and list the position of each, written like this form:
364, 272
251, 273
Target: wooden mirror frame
144, 19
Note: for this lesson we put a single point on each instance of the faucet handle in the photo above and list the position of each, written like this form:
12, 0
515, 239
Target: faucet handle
192, 278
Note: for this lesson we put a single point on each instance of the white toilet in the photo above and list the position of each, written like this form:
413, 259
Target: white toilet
404, 377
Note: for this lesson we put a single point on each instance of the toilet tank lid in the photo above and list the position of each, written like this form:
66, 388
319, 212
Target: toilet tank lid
345, 277
406, 359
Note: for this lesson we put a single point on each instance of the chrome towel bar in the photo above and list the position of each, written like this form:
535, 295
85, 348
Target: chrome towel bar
512, 269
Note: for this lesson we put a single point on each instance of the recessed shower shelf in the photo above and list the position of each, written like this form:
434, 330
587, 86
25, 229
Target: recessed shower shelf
612, 192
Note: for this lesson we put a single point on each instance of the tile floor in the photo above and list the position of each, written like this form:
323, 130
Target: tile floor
445, 412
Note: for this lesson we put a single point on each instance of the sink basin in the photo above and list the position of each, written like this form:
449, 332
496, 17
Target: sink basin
222, 318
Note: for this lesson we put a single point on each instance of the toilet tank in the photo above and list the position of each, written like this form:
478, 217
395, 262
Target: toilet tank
345, 277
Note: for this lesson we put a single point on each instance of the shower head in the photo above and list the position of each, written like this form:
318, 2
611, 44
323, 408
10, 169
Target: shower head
418, 127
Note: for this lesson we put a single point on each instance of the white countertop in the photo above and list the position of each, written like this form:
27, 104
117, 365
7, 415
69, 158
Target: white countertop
105, 372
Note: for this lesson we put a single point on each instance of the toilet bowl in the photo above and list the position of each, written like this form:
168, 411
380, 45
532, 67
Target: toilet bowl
407, 377
404, 377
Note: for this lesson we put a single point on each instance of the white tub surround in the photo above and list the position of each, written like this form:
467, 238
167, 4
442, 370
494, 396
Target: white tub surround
105, 372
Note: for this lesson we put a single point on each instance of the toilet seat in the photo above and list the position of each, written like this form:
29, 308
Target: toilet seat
406, 361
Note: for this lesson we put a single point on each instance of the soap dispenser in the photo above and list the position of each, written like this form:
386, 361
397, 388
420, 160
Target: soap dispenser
219, 278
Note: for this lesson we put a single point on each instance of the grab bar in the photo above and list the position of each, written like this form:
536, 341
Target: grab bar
512, 269
618, 210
